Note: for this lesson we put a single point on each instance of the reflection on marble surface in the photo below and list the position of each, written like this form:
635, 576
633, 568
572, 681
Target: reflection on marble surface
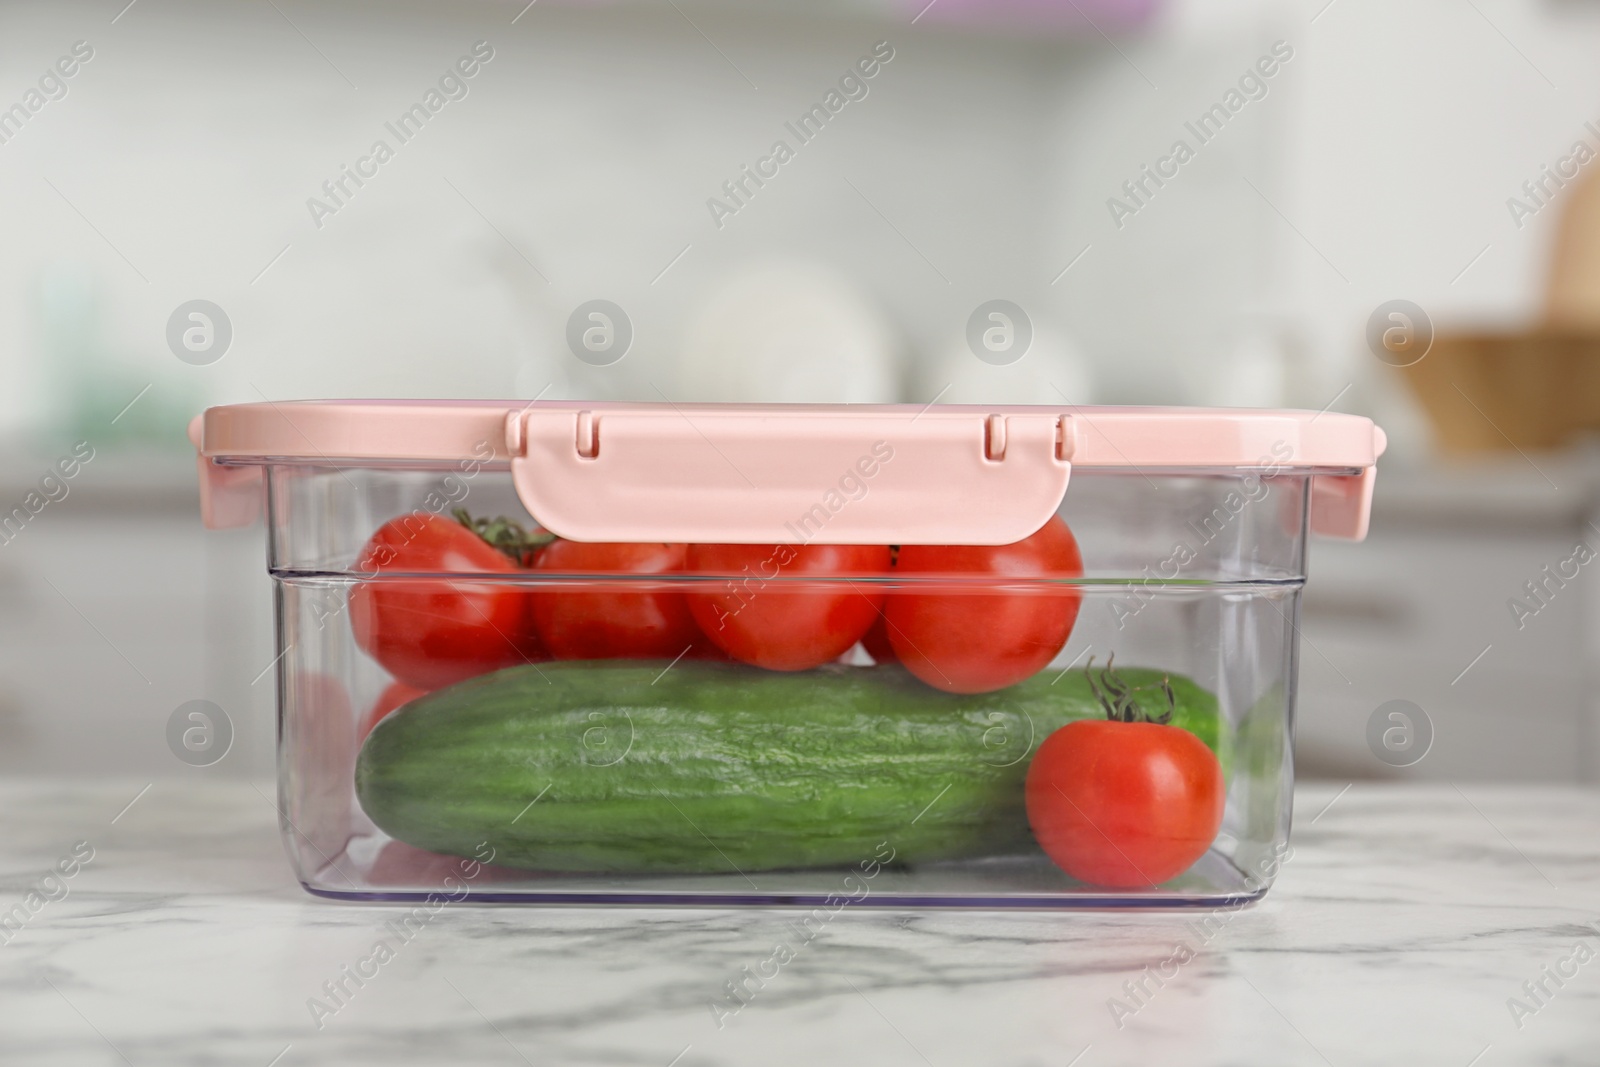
1401, 931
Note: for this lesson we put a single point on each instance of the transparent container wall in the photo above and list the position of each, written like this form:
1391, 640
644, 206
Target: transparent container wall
1137, 524
810, 823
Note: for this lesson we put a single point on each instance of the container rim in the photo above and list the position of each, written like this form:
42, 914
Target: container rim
665, 471
1181, 438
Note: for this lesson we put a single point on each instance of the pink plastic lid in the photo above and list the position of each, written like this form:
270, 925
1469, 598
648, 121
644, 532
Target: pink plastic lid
831, 474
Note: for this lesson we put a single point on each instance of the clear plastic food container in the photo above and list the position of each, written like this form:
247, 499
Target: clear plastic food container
810, 656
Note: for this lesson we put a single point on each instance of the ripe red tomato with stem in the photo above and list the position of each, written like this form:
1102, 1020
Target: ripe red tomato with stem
762, 616
973, 642
1125, 802
430, 632
609, 620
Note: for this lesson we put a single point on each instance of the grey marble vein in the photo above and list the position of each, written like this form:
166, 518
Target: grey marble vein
1403, 930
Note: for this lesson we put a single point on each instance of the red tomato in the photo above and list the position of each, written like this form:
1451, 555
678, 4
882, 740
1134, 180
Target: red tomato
1124, 804
597, 621
974, 642
434, 632
391, 699
758, 621
706, 649
876, 642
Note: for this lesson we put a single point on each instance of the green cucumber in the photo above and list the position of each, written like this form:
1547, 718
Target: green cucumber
706, 767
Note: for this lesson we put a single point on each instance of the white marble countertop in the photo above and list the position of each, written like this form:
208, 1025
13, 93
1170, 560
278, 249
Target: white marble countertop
1406, 920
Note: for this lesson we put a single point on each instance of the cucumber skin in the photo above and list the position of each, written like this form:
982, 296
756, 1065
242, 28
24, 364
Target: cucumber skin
711, 768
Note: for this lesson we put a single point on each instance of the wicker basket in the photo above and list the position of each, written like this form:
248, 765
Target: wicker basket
1533, 389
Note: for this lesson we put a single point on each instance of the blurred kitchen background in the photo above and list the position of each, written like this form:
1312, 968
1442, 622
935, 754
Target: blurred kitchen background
1376, 163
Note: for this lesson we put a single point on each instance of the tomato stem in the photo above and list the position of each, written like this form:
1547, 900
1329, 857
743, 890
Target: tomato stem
507, 535
1116, 696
